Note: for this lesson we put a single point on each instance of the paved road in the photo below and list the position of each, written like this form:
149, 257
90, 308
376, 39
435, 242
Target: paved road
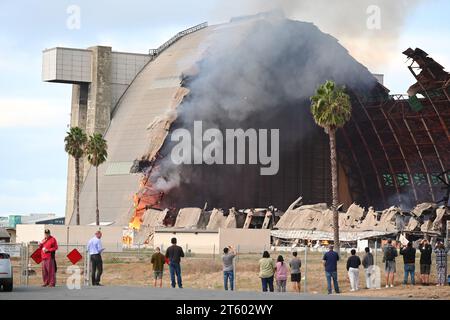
146, 293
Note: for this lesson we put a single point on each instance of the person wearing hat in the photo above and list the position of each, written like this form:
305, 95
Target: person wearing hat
48, 248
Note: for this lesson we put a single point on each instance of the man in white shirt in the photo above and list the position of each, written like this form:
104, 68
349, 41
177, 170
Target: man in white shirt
95, 249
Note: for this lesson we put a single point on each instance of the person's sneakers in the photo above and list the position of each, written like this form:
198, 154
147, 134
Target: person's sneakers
387, 286
352, 290
99, 284
392, 285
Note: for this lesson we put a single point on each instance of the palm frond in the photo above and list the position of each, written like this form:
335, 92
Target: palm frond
96, 149
75, 142
331, 106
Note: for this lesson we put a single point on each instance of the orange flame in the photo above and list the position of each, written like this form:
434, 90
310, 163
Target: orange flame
146, 197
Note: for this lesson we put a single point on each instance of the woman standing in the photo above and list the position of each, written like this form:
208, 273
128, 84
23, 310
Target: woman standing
266, 271
281, 274
441, 263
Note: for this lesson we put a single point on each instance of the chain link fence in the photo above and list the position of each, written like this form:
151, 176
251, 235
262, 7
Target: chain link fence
26, 272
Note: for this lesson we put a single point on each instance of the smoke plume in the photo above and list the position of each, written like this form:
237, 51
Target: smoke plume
260, 74
353, 22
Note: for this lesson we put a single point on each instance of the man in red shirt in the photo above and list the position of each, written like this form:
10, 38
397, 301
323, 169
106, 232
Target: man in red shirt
48, 246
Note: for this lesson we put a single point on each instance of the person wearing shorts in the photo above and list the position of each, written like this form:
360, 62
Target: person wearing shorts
296, 275
389, 255
158, 260
425, 269
158, 275
425, 262
390, 267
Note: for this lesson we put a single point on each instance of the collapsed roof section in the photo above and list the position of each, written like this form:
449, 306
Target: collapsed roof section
195, 219
432, 75
302, 222
315, 222
294, 236
218, 220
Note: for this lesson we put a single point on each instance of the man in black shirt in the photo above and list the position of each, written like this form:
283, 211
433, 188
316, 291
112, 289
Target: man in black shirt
425, 261
174, 253
409, 259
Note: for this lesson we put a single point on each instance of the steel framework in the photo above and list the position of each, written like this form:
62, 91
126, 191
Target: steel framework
400, 151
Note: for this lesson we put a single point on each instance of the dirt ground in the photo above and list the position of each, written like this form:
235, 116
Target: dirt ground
206, 273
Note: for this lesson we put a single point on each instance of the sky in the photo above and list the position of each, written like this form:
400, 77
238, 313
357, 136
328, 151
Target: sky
34, 115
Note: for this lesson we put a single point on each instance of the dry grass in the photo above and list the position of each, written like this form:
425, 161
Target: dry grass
206, 273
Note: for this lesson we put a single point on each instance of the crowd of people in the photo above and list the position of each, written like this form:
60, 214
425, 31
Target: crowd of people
278, 271
271, 271
408, 252
275, 274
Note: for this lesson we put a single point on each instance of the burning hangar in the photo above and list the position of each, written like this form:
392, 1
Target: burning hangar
254, 72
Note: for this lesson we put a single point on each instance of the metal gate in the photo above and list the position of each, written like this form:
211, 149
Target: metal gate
32, 274
18, 254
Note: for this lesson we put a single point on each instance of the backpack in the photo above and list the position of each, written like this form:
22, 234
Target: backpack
389, 254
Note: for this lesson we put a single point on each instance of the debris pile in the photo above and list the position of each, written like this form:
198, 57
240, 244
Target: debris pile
315, 222
301, 222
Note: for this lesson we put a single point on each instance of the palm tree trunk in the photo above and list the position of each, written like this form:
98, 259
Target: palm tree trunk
97, 213
334, 185
77, 188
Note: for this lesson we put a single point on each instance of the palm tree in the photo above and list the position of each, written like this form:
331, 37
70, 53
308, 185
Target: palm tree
74, 145
96, 150
331, 109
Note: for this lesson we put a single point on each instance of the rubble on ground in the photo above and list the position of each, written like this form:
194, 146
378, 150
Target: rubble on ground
304, 221
425, 217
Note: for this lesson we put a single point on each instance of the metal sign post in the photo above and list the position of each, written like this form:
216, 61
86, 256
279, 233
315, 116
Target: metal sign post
376, 249
234, 267
27, 261
447, 234
87, 267
306, 268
